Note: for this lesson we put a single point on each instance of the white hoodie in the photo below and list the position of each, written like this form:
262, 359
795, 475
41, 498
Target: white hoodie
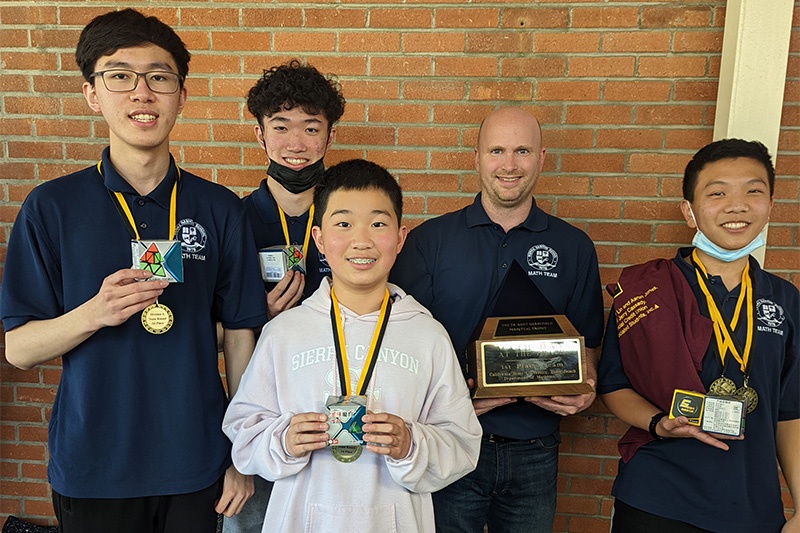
416, 377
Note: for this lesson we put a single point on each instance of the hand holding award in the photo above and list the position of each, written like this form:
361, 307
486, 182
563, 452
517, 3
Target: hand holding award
306, 432
387, 434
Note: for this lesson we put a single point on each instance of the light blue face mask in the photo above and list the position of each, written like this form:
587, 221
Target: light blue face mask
704, 244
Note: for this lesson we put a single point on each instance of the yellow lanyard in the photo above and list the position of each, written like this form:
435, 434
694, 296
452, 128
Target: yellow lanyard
173, 206
374, 347
308, 228
722, 331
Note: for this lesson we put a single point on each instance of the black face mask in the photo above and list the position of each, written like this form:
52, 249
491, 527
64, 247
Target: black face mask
296, 181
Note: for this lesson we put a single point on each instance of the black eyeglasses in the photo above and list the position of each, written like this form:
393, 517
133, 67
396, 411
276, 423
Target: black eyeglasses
123, 80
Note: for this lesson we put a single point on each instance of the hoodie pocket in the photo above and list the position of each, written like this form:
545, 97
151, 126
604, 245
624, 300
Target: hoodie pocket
342, 518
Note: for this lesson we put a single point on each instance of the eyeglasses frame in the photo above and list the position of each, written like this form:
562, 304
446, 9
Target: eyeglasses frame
100, 74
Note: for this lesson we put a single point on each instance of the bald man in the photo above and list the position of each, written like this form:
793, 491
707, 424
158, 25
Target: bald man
454, 265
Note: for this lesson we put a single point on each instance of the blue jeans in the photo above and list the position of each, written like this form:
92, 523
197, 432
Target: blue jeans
251, 519
513, 490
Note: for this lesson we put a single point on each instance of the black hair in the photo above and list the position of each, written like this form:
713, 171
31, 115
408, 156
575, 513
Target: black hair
127, 28
356, 175
291, 85
726, 149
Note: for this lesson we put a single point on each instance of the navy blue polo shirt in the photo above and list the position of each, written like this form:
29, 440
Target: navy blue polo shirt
135, 414
454, 265
737, 491
265, 221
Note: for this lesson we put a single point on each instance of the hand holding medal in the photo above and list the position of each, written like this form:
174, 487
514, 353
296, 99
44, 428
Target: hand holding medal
347, 410
156, 259
387, 434
122, 295
306, 432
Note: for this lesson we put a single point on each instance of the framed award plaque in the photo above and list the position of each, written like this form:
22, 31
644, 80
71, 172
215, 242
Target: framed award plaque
527, 356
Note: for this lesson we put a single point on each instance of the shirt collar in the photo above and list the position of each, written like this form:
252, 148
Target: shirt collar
116, 183
761, 284
476, 216
267, 207
265, 204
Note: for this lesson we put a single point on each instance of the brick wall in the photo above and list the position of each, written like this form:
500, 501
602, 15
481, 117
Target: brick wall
625, 91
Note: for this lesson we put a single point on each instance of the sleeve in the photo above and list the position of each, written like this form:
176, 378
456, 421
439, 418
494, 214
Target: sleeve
32, 266
255, 423
789, 408
585, 308
239, 297
446, 438
610, 374
411, 271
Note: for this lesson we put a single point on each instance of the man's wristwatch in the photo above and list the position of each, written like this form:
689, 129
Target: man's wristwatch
653, 423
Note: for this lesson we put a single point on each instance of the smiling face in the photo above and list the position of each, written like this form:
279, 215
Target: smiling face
731, 202
138, 120
509, 158
360, 236
294, 138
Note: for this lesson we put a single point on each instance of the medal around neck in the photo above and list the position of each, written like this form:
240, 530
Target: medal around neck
162, 259
345, 427
157, 318
346, 454
749, 395
722, 386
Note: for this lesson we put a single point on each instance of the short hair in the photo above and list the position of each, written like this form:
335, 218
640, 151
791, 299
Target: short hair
296, 85
726, 149
127, 28
356, 175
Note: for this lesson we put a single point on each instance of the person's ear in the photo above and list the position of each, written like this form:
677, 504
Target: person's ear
688, 215
316, 234
90, 94
259, 131
331, 137
182, 99
402, 233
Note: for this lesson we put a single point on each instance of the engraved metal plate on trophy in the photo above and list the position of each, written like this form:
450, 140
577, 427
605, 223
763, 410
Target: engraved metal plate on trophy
527, 356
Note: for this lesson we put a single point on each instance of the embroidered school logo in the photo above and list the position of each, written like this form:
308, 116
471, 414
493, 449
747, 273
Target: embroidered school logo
542, 257
191, 234
769, 312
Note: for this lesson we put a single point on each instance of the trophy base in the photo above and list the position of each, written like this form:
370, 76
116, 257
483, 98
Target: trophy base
528, 356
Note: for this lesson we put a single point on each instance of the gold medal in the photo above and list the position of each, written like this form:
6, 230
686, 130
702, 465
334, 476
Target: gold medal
749, 395
346, 454
157, 318
722, 386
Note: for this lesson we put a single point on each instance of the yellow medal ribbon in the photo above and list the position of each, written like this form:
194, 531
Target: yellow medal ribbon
374, 348
173, 206
722, 332
308, 228
156, 318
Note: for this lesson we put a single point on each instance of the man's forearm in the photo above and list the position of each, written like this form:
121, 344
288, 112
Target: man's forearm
238, 345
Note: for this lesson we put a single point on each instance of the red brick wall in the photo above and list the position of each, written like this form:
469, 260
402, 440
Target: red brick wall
625, 92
